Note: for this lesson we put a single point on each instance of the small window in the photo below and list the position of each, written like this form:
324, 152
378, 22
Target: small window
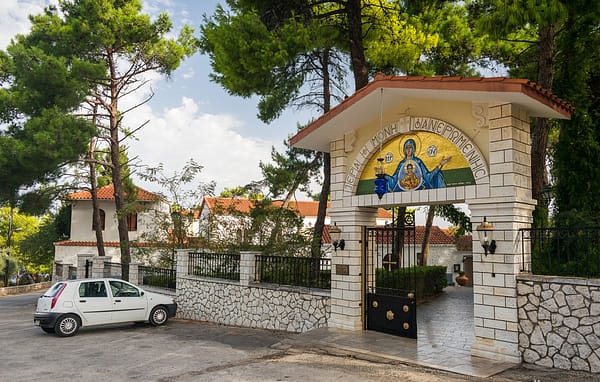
132, 222
92, 289
102, 220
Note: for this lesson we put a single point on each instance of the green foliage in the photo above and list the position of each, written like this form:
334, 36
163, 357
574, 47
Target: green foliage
458, 218
297, 271
430, 280
571, 252
290, 171
37, 249
577, 153
160, 281
172, 228
249, 57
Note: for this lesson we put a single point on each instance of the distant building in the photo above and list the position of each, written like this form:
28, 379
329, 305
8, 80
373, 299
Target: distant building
82, 239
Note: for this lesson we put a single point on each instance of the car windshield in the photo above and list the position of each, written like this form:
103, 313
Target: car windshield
53, 290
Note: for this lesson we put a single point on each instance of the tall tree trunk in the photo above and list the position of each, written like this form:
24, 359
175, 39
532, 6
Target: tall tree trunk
322, 209
426, 236
317, 239
115, 157
357, 49
95, 208
398, 244
541, 128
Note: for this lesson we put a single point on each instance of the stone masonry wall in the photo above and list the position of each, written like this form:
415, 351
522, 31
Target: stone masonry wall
253, 306
559, 322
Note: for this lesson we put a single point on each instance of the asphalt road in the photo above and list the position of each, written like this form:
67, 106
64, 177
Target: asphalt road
189, 351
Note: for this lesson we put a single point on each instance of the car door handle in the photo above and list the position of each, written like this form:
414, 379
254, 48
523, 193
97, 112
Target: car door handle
82, 300
117, 300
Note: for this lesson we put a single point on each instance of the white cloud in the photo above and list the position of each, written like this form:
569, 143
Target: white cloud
14, 17
175, 135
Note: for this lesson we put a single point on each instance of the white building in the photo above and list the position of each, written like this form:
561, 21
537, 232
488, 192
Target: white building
82, 239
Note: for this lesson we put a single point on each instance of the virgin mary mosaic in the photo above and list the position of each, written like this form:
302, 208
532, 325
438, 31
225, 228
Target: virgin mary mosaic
418, 161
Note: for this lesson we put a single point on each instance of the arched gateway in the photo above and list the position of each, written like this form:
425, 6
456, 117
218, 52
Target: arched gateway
440, 140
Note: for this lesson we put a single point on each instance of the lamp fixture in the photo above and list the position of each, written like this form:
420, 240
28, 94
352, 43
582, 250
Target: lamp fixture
380, 181
485, 230
335, 233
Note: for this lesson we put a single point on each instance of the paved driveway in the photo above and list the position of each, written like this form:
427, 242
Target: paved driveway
125, 352
196, 351
179, 351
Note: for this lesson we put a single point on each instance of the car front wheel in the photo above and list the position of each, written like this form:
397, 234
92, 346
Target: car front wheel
159, 315
67, 325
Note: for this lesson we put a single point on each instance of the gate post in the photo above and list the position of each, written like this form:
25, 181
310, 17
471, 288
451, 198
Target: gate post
82, 260
508, 205
347, 308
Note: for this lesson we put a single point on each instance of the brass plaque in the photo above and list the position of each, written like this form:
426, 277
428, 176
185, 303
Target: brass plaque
405, 326
375, 304
342, 269
405, 308
389, 315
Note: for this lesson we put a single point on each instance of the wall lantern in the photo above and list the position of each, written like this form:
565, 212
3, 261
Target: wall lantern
380, 181
485, 230
335, 232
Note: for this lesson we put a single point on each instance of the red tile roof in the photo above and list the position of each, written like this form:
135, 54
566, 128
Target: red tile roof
226, 204
304, 208
540, 101
71, 243
437, 236
108, 193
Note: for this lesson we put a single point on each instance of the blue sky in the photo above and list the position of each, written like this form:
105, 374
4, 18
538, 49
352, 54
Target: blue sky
189, 116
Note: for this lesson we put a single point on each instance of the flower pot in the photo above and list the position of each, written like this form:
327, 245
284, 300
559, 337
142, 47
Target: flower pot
462, 279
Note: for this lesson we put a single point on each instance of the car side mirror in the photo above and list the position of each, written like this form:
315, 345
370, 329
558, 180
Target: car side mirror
141, 293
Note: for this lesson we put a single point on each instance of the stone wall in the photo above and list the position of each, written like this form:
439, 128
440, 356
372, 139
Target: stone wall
254, 306
5, 291
559, 322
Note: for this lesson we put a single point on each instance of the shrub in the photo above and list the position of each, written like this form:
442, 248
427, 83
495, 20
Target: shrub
426, 280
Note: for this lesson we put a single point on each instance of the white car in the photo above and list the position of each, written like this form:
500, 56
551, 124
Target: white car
69, 305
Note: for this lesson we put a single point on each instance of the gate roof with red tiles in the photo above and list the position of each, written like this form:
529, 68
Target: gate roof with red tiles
357, 109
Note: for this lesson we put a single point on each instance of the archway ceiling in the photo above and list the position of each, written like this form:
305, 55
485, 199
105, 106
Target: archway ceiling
364, 105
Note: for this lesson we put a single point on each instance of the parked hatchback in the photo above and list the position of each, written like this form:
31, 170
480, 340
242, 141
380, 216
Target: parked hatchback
70, 305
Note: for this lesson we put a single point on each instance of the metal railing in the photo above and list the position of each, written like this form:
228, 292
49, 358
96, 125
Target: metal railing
562, 251
214, 265
157, 277
311, 272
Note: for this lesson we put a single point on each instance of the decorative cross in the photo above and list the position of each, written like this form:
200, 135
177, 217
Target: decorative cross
388, 262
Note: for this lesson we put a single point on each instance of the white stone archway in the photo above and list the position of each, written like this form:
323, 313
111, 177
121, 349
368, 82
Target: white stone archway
488, 120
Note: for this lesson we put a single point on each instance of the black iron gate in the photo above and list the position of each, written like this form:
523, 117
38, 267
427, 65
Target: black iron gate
390, 278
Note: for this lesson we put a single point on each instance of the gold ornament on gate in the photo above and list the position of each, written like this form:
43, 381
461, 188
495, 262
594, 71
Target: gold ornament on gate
405, 308
411, 295
389, 315
405, 326
375, 304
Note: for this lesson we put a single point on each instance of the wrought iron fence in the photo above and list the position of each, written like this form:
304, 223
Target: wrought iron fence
562, 251
157, 277
215, 265
312, 272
